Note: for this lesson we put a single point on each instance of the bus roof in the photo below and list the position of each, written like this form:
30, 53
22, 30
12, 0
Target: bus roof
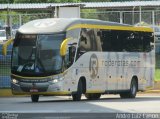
53, 25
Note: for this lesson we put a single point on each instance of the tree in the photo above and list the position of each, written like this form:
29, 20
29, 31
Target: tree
95, 0
6, 1
44, 1
60, 1
29, 1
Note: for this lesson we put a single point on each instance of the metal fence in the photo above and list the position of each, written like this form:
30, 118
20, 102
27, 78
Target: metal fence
16, 20
127, 17
5, 62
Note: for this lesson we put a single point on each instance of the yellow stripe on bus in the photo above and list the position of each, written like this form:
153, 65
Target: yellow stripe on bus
126, 28
31, 77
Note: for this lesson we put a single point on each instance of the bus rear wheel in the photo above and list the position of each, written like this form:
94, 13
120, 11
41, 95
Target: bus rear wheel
93, 96
132, 92
78, 94
34, 98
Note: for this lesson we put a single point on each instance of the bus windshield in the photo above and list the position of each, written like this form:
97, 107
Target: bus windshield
37, 54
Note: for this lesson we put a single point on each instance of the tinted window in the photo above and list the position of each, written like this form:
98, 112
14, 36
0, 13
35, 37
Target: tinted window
129, 41
111, 40
90, 40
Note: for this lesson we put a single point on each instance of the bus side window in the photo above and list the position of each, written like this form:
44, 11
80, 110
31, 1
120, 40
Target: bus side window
133, 41
89, 41
147, 42
92, 33
128, 41
72, 50
84, 42
98, 41
111, 40
106, 40
74, 36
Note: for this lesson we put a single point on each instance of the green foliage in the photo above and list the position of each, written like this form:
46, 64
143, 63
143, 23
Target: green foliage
6, 1
89, 13
29, 1
96, 0
157, 72
44, 1
3, 1
157, 75
60, 1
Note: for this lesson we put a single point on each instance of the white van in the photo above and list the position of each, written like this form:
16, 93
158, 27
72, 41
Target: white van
2, 35
156, 33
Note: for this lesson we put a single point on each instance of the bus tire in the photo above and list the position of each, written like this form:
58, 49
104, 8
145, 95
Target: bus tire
123, 95
34, 98
93, 96
133, 89
78, 94
132, 92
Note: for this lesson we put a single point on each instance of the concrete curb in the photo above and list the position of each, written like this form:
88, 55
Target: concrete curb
5, 92
8, 93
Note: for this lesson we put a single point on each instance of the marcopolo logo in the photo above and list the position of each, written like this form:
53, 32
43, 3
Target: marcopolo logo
93, 66
43, 24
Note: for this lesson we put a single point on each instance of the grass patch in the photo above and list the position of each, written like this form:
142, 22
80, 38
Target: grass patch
157, 75
157, 68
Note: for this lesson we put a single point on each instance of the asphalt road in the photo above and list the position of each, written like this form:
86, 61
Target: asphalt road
143, 103
108, 103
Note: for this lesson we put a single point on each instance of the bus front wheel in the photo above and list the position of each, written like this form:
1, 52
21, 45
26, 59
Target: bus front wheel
34, 98
78, 94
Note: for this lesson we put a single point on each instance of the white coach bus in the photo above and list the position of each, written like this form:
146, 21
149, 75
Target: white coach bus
60, 56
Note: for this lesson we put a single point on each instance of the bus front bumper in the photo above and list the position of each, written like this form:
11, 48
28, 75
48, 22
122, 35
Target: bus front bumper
45, 88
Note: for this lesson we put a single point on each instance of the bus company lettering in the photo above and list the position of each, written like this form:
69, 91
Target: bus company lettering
123, 63
93, 66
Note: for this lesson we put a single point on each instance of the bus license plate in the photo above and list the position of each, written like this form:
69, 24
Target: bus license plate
33, 90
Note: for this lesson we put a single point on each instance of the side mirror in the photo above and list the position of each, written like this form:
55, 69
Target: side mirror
5, 45
63, 47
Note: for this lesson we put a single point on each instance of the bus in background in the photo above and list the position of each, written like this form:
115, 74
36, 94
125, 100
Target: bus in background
58, 56
156, 30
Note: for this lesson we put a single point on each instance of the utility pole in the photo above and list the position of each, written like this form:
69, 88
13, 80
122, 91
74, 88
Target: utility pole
8, 28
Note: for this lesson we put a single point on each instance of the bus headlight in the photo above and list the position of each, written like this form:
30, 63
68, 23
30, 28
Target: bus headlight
56, 80
14, 81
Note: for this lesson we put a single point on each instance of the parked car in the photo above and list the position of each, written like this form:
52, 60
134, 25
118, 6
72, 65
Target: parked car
2, 35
